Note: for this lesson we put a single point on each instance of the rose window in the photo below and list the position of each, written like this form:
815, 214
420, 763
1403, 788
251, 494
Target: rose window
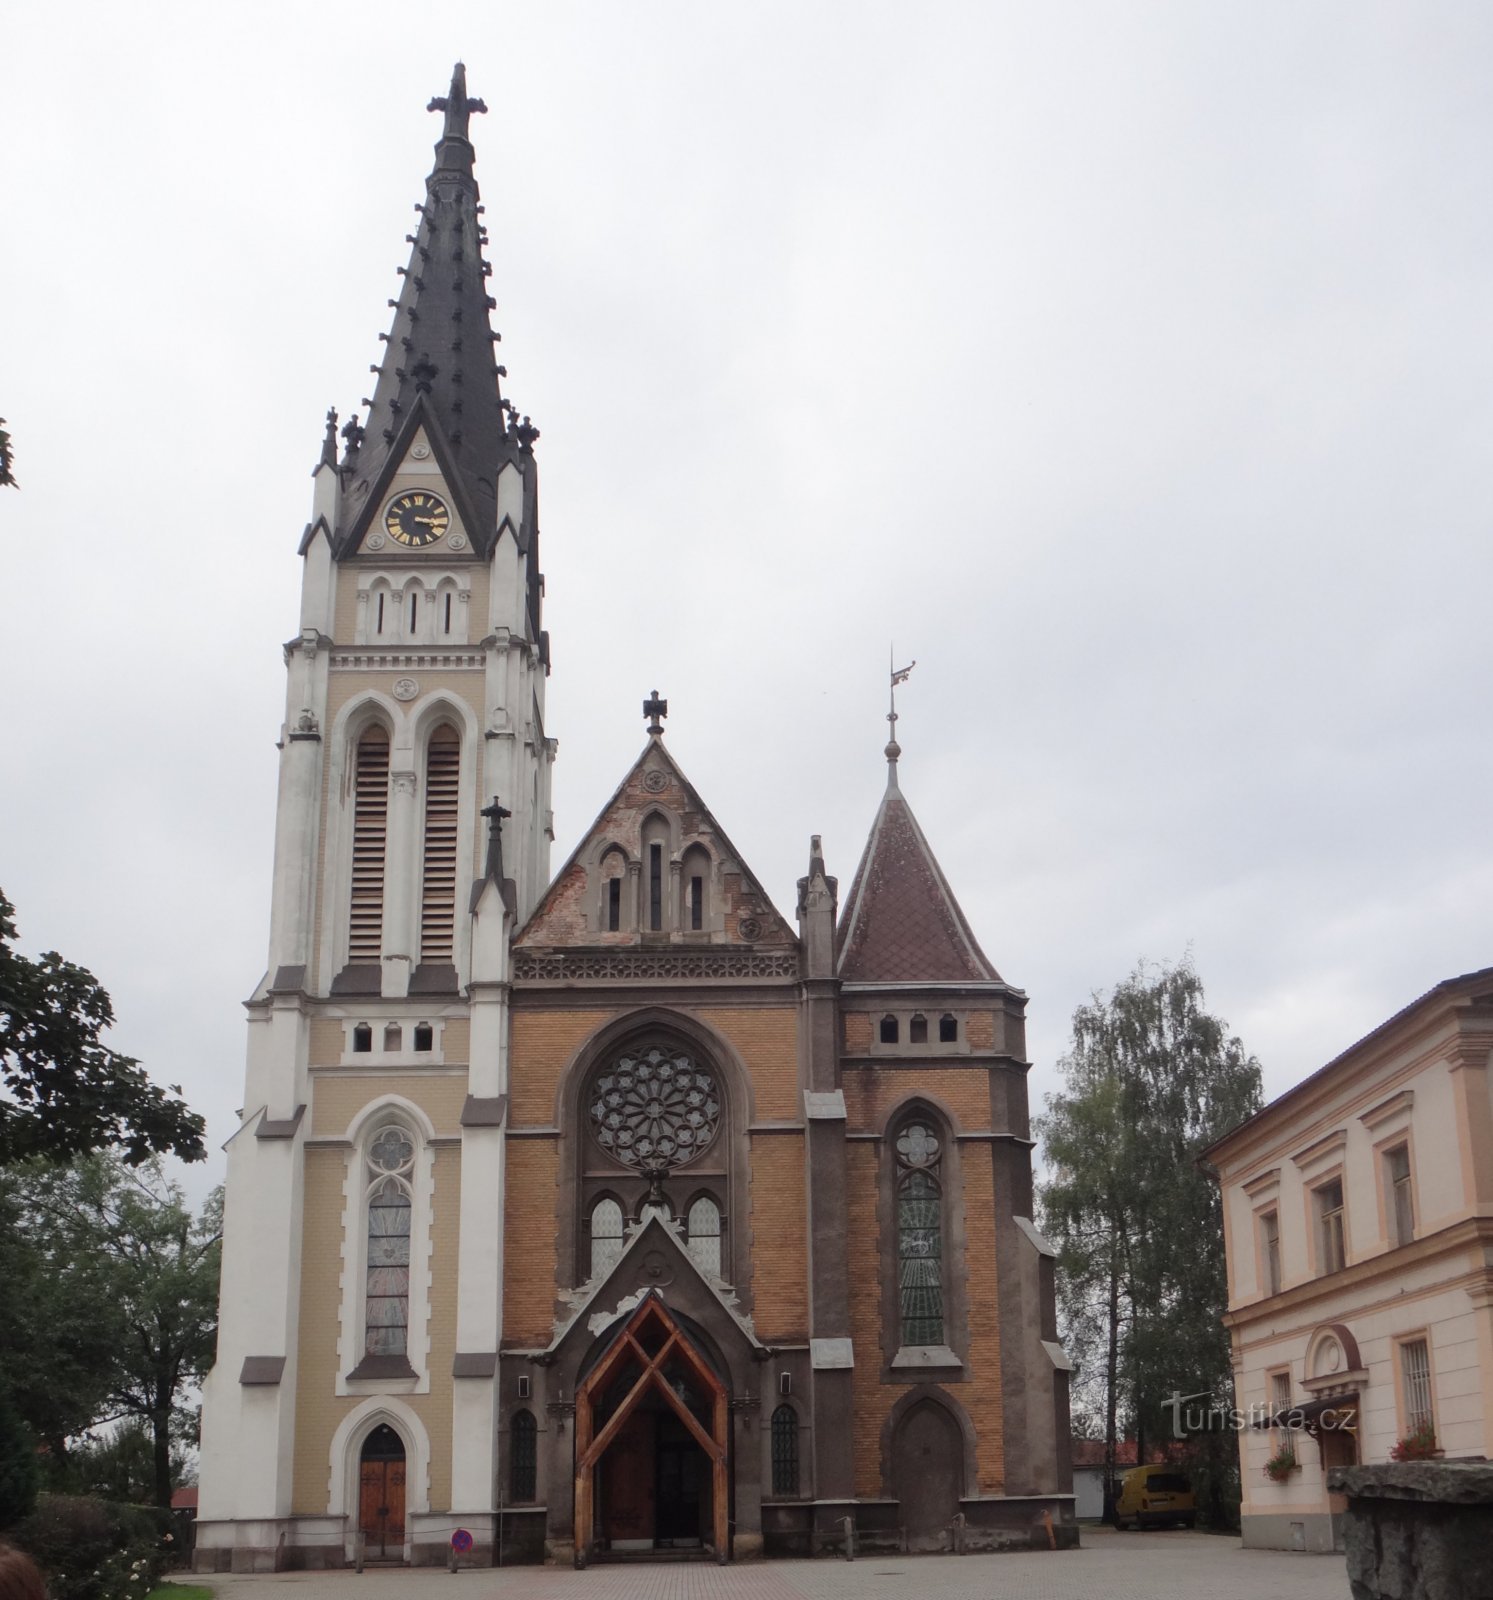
655, 1109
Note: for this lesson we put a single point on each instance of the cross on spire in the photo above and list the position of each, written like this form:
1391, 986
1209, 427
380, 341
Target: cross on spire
655, 710
495, 814
457, 105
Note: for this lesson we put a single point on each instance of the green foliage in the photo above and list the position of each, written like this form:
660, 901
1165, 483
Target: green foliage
19, 1475
66, 1093
113, 1313
92, 1550
119, 1465
1150, 1081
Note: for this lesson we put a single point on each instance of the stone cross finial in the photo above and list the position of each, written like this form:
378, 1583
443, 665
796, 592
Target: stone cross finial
456, 104
655, 710
495, 814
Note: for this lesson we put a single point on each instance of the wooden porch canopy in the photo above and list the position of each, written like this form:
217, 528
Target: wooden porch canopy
650, 1325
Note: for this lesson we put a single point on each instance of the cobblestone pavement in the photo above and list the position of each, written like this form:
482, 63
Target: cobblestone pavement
1111, 1566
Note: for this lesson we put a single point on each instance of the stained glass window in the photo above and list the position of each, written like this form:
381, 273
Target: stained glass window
920, 1235
606, 1236
655, 1108
387, 1306
703, 1228
523, 1458
785, 1451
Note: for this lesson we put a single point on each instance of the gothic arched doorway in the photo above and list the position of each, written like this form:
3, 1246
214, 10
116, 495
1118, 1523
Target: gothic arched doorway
928, 1471
381, 1495
651, 1441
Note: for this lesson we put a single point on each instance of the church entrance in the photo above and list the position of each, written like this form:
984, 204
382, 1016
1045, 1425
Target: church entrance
381, 1495
651, 1445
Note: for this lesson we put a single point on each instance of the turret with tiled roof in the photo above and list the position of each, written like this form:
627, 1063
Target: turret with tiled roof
902, 923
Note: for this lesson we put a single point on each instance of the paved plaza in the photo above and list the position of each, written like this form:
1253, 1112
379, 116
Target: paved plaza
1111, 1566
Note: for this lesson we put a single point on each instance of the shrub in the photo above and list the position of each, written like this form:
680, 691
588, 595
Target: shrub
19, 1475
1282, 1464
94, 1550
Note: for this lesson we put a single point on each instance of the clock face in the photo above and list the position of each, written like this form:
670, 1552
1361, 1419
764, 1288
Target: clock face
417, 518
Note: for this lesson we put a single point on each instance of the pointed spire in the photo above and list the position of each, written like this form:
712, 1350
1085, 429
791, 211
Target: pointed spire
329, 441
439, 368
902, 923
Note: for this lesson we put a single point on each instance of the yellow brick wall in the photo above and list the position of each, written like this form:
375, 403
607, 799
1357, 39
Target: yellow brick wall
980, 1030
543, 1044
530, 1241
780, 1301
982, 1394
319, 1411
857, 1032
337, 1100
870, 1094
767, 1040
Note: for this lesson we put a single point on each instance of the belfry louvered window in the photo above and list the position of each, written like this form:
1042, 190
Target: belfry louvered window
438, 892
920, 1234
370, 836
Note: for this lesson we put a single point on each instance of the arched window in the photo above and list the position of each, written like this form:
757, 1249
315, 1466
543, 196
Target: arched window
785, 1451
889, 1030
948, 1030
606, 1236
523, 1458
613, 872
703, 1232
695, 884
438, 891
920, 1234
391, 1160
365, 934
917, 1029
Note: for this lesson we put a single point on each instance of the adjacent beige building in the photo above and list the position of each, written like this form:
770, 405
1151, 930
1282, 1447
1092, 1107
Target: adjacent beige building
1358, 1218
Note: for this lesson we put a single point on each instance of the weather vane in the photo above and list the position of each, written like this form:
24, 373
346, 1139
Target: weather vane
899, 675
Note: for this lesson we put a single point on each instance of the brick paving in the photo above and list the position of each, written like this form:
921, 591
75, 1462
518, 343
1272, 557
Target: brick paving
1111, 1566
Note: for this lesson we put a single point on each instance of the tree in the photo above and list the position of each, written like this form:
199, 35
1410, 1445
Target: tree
7, 459
65, 1092
1151, 1080
141, 1274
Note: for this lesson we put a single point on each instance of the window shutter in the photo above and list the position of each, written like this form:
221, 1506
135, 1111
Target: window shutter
370, 834
438, 897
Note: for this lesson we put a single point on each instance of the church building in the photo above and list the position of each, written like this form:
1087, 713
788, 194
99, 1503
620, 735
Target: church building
611, 1213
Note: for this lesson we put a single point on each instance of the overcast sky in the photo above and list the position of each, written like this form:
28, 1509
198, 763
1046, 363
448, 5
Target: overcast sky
1129, 366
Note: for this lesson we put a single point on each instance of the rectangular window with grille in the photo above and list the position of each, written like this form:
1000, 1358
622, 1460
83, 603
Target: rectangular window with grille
1415, 1375
785, 1451
438, 891
1401, 1201
1270, 1246
1331, 1256
370, 836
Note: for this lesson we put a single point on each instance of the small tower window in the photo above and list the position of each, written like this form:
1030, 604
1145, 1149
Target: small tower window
917, 1029
696, 904
785, 1451
948, 1030
378, 626
447, 625
614, 904
523, 1458
889, 1030
414, 613
424, 1038
655, 886
362, 1040
393, 1039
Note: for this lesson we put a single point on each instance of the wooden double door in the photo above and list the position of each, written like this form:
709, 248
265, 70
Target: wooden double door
381, 1472
654, 1486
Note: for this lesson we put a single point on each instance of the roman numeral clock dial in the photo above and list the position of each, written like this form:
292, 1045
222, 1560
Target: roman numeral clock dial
416, 518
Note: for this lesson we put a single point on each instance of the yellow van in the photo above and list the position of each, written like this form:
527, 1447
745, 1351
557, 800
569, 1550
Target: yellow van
1151, 1497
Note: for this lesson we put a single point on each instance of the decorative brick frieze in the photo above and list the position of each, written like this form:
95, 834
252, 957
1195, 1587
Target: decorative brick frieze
652, 966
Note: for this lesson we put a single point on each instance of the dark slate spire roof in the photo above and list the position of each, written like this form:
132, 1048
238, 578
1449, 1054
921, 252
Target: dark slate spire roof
902, 923
439, 369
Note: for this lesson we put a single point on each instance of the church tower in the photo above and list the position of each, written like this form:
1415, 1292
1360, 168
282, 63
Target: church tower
362, 1272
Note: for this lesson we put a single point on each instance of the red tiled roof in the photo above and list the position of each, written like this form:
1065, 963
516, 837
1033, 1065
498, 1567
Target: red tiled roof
185, 1498
1090, 1453
902, 923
